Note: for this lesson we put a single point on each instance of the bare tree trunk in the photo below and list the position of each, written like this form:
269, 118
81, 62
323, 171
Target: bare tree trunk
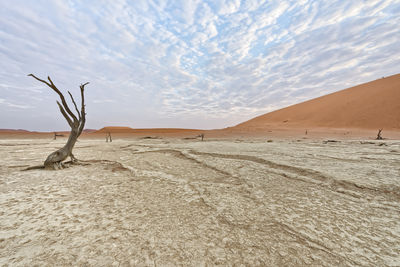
108, 137
77, 123
379, 136
55, 135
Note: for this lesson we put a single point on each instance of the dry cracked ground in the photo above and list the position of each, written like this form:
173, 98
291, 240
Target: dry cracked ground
158, 202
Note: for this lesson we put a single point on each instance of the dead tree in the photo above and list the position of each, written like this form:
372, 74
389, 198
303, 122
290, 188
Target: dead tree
56, 134
379, 136
76, 122
200, 135
108, 137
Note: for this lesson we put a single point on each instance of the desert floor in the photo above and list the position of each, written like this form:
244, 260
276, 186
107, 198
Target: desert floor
158, 202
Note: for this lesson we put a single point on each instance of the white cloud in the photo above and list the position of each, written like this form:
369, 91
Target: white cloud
190, 63
8, 104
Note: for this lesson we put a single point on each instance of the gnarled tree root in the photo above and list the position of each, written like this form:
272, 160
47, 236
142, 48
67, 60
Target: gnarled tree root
33, 168
56, 165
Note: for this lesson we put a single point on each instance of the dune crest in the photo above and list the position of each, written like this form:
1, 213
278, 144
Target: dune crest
370, 105
115, 129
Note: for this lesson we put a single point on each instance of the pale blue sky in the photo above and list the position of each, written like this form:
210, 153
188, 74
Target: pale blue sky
190, 64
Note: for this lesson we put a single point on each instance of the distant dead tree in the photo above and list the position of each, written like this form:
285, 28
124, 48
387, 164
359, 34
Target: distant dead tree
108, 137
202, 136
76, 122
379, 136
55, 135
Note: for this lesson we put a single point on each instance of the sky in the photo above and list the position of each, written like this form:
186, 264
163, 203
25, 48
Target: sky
190, 63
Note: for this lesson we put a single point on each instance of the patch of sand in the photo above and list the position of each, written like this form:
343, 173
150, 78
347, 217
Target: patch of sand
175, 202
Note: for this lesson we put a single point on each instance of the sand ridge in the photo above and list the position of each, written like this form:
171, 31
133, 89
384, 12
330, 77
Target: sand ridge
353, 113
128, 130
372, 105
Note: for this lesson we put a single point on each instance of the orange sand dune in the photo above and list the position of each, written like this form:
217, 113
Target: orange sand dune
115, 129
356, 112
13, 131
370, 105
119, 130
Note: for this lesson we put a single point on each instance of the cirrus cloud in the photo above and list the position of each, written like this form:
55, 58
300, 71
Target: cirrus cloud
193, 64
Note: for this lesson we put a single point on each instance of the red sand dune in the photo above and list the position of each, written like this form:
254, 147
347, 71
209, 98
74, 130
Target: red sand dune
370, 105
126, 131
22, 134
13, 131
354, 112
89, 131
115, 129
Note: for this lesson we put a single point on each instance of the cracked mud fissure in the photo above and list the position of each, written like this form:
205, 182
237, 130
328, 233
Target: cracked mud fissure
191, 203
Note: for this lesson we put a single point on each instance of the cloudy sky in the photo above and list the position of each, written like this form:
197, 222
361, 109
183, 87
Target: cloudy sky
192, 64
